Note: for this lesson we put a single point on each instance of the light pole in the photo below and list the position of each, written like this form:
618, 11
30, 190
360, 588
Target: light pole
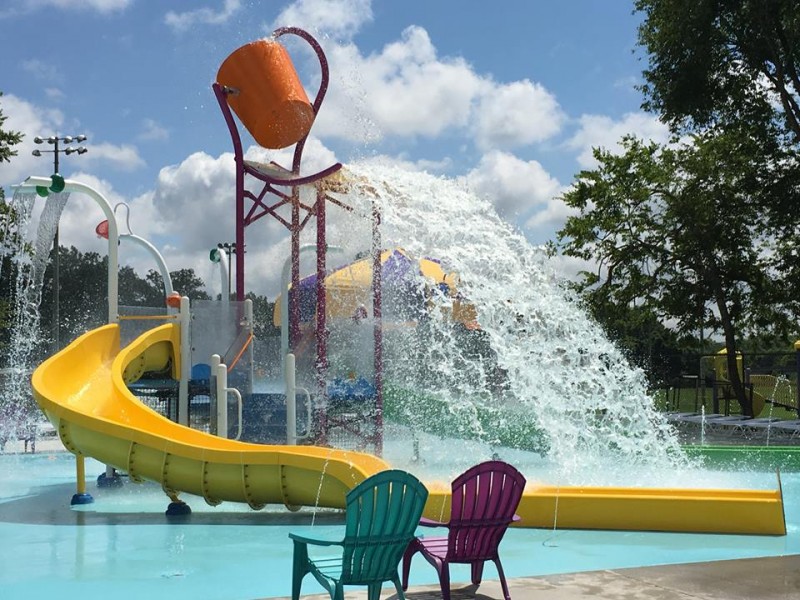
230, 248
58, 185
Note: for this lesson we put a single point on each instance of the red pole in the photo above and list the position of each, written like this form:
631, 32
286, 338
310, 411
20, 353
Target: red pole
322, 318
239, 235
294, 303
378, 327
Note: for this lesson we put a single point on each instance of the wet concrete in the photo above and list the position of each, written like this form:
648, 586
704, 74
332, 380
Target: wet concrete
775, 578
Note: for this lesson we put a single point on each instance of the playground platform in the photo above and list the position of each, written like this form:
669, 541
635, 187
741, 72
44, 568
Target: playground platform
775, 578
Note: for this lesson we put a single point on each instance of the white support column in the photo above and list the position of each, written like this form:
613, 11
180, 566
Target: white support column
221, 372
185, 319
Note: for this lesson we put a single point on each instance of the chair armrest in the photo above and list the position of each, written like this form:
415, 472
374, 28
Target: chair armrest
314, 541
425, 522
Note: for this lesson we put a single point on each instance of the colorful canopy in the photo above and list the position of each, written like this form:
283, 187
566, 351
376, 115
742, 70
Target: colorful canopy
348, 290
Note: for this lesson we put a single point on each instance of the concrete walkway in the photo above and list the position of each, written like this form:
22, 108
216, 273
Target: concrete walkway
749, 579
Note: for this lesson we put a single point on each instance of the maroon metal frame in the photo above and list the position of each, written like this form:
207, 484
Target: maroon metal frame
377, 314
263, 204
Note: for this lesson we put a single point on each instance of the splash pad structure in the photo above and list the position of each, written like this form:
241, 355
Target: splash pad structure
602, 415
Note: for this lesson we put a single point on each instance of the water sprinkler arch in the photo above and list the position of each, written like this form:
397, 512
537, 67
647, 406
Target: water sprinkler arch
35, 182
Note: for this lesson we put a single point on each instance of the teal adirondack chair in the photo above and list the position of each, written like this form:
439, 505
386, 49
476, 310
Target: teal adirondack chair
382, 514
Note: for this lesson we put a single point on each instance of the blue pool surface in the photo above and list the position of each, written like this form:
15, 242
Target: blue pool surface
123, 547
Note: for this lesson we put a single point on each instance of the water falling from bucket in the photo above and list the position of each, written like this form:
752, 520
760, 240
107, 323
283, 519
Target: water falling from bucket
546, 377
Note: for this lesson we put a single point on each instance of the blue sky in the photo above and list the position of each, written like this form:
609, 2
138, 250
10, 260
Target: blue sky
509, 98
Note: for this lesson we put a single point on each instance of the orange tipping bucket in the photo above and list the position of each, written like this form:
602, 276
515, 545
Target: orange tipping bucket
271, 102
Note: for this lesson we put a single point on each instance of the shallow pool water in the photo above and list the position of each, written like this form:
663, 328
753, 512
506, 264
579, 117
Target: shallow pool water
122, 546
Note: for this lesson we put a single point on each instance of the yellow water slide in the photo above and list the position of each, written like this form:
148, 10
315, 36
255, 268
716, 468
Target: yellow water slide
83, 391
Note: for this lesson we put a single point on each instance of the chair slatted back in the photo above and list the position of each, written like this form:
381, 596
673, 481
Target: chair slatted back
484, 500
382, 514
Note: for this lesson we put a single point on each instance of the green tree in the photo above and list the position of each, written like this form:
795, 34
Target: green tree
184, 281
8, 139
723, 61
262, 316
83, 296
677, 229
137, 291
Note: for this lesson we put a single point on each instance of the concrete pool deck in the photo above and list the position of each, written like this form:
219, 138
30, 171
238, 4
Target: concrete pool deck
774, 578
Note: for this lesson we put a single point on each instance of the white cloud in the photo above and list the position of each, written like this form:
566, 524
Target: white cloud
42, 71
100, 6
552, 215
123, 157
33, 121
514, 186
54, 93
406, 90
517, 114
181, 22
402, 91
569, 267
30, 120
337, 18
153, 131
603, 131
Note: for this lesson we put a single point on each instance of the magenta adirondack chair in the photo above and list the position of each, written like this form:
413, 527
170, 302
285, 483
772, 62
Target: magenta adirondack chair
484, 501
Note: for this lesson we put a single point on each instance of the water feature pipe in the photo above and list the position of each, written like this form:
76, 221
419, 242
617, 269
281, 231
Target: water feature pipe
220, 372
113, 234
225, 279
102, 231
162, 266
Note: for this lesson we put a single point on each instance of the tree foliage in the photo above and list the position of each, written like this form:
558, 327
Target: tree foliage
687, 232
83, 293
8, 139
184, 281
723, 61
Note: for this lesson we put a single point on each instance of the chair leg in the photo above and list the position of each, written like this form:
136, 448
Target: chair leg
299, 568
399, 588
502, 575
338, 591
477, 572
407, 555
444, 580
374, 591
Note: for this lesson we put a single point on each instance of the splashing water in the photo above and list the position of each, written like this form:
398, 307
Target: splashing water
563, 385
29, 260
